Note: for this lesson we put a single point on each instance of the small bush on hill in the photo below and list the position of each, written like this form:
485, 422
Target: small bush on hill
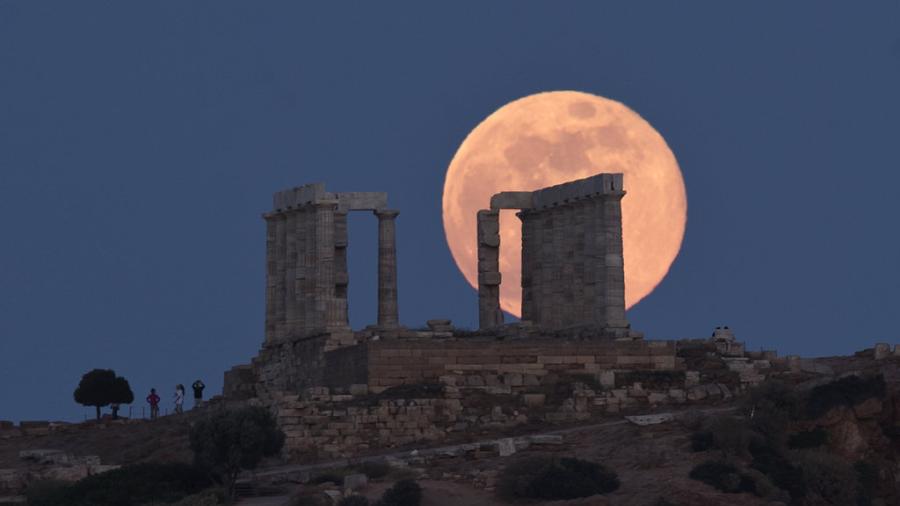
335, 478
846, 391
723, 476
771, 462
225, 442
770, 407
702, 440
828, 478
550, 478
731, 435
867, 477
127, 486
373, 469
403, 493
808, 439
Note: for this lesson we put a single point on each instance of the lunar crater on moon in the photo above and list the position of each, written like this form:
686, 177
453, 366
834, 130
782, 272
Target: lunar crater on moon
550, 138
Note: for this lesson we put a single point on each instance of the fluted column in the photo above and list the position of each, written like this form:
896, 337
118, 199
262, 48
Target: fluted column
279, 291
489, 313
387, 268
324, 263
271, 276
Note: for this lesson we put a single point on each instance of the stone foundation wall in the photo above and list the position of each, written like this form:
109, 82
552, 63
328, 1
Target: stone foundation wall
513, 362
346, 422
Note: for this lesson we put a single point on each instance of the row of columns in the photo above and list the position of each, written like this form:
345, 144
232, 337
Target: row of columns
572, 268
572, 264
306, 270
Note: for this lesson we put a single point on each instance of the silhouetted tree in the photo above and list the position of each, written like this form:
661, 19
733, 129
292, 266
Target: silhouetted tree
101, 387
227, 441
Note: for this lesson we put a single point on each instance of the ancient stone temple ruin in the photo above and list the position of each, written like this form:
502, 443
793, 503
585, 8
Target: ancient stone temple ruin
572, 269
339, 391
306, 262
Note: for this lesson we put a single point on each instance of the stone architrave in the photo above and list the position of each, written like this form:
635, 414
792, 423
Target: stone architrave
489, 313
388, 314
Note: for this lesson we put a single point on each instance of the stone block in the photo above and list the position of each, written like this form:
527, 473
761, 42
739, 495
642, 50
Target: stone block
534, 400
359, 389
882, 350
506, 447
354, 482
511, 200
656, 398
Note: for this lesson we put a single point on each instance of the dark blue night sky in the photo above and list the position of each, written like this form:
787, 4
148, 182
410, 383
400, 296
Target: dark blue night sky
140, 142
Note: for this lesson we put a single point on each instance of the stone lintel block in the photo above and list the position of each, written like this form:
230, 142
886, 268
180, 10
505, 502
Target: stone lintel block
511, 200
602, 184
361, 201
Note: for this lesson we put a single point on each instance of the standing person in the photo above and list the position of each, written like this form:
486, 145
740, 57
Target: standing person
153, 400
179, 398
198, 387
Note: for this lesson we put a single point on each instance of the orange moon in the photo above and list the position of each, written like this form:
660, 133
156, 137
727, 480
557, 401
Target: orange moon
550, 138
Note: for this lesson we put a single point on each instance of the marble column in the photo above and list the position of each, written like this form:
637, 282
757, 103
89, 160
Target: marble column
340, 314
324, 263
488, 237
612, 270
301, 238
387, 268
271, 276
279, 288
290, 273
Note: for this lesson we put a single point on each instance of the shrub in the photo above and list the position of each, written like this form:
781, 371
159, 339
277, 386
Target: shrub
769, 407
403, 493
731, 435
228, 441
692, 419
327, 478
723, 476
769, 461
373, 469
808, 439
828, 477
846, 391
126, 486
550, 478
702, 441
354, 500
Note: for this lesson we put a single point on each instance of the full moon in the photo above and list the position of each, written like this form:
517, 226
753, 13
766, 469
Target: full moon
550, 138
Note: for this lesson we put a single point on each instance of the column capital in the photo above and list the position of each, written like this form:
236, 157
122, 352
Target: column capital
386, 214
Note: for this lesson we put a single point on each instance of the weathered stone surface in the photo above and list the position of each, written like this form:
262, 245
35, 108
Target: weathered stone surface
512, 200
506, 447
572, 263
354, 482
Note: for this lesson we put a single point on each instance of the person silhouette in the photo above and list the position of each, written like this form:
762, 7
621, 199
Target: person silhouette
198, 387
153, 400
179, 398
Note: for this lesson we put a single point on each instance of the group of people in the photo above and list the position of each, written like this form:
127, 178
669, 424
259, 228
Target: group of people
153, 399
